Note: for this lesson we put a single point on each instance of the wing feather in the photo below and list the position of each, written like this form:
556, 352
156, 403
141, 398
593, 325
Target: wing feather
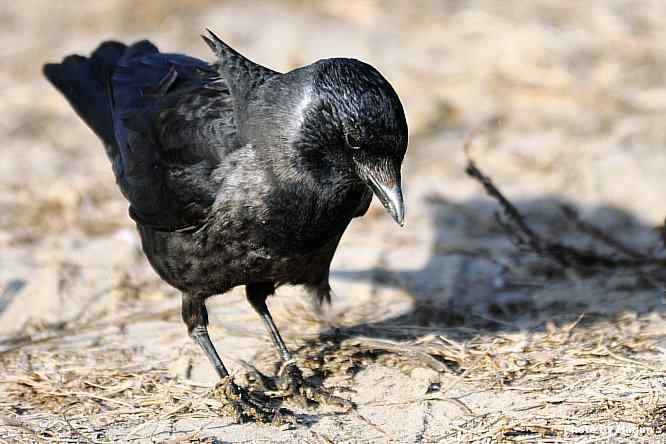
173, 120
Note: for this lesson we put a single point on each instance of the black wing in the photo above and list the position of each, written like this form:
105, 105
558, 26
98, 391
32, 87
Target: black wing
173, 120
84, 83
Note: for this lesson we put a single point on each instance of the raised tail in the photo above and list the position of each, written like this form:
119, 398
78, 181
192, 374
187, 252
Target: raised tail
84, 81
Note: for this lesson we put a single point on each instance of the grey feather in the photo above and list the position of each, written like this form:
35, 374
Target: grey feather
236, 174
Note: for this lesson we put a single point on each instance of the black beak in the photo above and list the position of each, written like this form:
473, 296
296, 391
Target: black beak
385, 184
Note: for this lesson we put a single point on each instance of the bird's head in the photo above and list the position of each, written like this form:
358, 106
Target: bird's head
341, 115
351, 113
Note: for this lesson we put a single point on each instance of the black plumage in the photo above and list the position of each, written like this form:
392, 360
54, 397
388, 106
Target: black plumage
237, 174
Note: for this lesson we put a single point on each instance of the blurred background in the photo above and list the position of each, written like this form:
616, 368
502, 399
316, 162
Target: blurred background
567, 99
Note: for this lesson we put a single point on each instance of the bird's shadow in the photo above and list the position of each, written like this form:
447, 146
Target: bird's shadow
477, 282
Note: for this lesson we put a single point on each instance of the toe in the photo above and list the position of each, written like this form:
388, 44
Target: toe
306, 394
251, 407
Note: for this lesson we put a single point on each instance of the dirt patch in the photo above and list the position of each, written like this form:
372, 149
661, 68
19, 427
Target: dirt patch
444, 331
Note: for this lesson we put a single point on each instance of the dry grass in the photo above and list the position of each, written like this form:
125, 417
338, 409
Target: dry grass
443, 332
600, 373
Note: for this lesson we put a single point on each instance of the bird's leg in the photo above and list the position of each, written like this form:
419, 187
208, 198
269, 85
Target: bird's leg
245, 405
195, 317
256, 295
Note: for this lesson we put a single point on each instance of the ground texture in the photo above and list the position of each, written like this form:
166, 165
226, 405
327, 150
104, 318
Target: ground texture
447, 330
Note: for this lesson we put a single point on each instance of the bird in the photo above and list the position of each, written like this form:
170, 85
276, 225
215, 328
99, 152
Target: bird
239, 175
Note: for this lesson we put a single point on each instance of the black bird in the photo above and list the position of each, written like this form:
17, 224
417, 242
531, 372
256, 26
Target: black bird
236, 174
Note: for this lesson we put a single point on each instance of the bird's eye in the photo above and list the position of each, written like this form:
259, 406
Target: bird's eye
353, 141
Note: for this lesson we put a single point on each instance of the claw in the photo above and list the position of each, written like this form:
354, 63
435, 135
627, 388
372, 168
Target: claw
290, 376
248, 406
307, 394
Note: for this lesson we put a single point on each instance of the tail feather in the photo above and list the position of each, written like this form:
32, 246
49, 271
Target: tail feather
84, 83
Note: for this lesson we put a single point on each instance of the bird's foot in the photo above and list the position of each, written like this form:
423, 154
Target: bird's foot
248, 407
305, 393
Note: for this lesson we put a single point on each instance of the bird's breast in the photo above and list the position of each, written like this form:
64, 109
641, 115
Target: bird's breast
302, 222
286, 239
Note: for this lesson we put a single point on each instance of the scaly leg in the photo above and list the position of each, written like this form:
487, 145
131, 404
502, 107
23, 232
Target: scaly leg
257, 293
245, 405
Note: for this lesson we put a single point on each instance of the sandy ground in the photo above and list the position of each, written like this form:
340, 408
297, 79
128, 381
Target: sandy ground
443, 331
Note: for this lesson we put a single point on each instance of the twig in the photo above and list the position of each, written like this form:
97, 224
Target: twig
564, 255
596, 233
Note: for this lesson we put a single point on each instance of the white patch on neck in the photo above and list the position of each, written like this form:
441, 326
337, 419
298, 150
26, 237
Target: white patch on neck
306, 98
